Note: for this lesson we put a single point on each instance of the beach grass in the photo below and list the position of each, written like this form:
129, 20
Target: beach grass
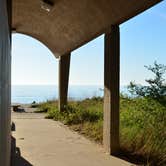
142, 125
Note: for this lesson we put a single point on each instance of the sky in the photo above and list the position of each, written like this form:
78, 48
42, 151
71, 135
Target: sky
143, 41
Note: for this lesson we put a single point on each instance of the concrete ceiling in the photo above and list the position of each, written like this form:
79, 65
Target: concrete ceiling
72, 23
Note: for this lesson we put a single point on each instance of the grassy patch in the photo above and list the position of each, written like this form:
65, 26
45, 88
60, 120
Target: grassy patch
142, 125
143, 129
46, 107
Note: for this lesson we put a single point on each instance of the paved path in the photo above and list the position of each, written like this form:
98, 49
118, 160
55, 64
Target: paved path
44, 142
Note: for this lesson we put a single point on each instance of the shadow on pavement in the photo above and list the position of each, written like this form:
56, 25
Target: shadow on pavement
16, 158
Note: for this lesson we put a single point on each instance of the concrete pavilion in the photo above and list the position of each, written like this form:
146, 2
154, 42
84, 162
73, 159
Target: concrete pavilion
63, 26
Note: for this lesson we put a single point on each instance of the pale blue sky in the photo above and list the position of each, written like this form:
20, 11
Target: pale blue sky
143, 40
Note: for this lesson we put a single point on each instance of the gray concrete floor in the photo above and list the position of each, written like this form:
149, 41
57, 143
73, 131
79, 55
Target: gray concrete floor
44, 142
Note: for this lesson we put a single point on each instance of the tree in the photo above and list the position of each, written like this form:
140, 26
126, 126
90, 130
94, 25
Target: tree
157, 85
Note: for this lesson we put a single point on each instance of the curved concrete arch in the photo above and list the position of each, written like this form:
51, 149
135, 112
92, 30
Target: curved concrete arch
28, 20
72, 23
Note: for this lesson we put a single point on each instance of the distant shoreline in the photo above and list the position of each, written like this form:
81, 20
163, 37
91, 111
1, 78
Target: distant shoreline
26, 94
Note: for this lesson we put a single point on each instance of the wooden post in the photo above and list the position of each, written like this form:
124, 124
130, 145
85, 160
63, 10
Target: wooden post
111, 90
64, 67
5, 84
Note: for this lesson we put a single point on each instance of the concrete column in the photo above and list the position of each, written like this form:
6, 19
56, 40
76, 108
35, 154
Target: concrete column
5, 85
64, 67
111, 90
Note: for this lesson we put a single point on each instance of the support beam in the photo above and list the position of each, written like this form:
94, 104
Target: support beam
64, 67
5, 84
111, 90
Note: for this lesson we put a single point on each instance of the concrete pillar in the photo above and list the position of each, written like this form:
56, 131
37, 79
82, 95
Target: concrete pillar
64, 67
5, 85
111, 90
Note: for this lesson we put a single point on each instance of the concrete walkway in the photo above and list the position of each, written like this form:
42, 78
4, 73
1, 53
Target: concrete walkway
44, 142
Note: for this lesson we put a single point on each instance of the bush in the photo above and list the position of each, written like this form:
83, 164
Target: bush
46, 106
156, 88
74, 114
143, 126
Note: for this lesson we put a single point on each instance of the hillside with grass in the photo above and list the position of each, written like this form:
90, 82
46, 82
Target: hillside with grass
142, 125
142, 120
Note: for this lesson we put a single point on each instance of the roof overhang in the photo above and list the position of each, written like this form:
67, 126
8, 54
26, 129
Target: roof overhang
71, 23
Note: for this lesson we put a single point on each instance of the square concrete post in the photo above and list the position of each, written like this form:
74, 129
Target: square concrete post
64, 68
111, 90
5, 84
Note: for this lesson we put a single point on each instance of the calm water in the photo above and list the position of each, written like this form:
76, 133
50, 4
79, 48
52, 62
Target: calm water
30, 93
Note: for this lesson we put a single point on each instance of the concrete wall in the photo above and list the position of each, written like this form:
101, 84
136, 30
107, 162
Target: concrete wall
5, 84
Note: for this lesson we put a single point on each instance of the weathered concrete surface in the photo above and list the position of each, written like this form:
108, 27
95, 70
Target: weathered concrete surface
111, 90
45, 142
5, 75
64, 70
72, 23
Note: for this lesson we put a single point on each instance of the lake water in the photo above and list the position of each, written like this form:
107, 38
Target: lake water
39, 93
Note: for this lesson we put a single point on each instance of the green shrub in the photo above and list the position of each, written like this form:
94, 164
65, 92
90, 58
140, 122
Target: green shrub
74, 114
156, 88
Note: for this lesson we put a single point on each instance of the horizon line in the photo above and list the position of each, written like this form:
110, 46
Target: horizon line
57, 85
